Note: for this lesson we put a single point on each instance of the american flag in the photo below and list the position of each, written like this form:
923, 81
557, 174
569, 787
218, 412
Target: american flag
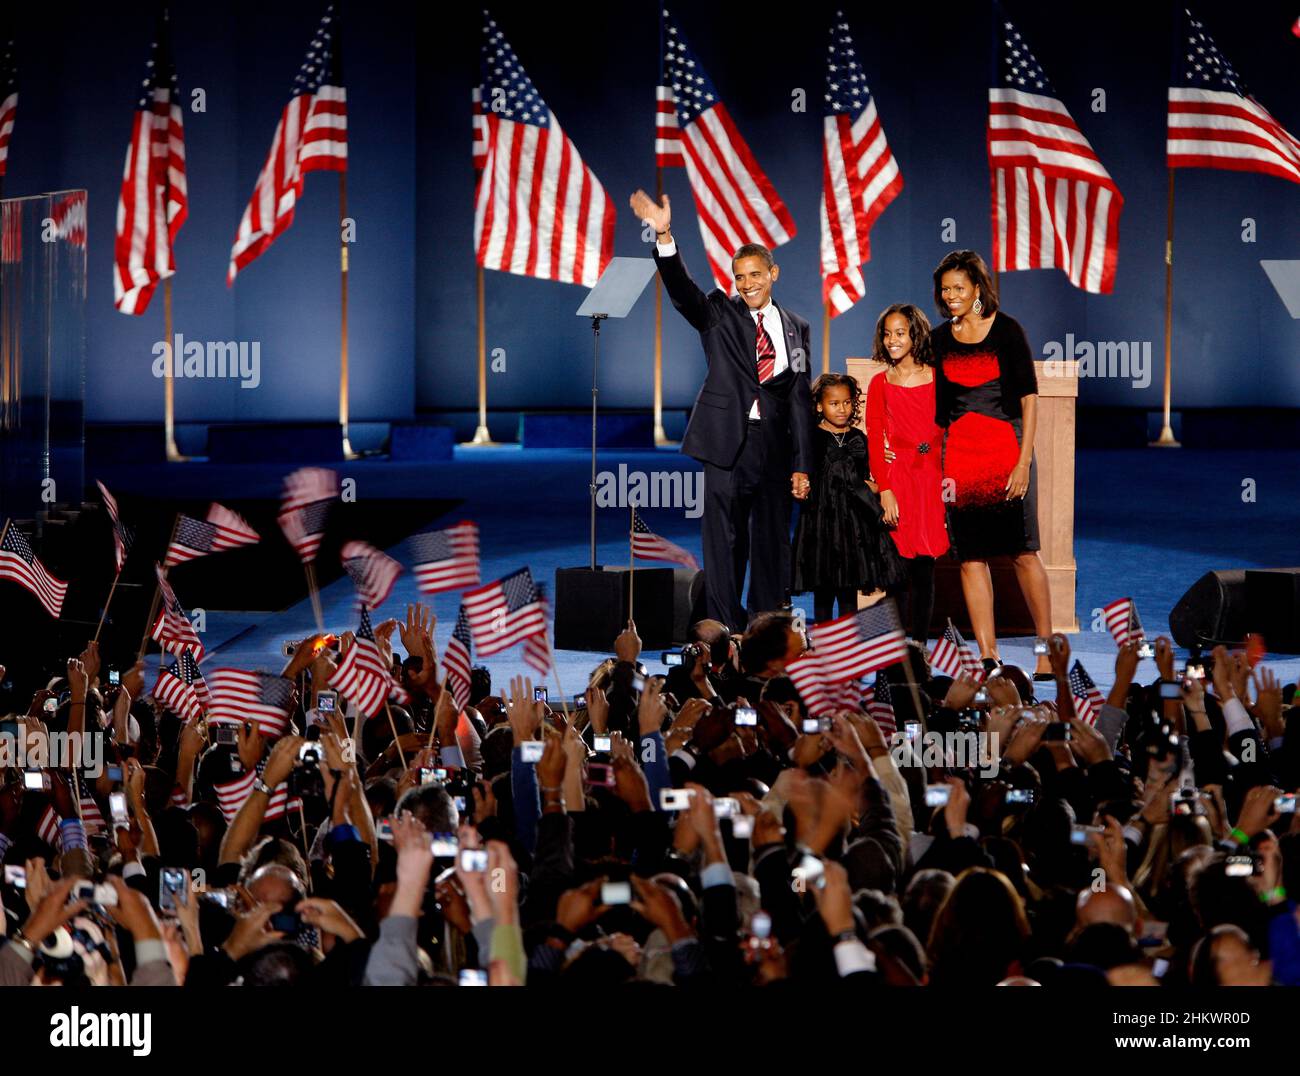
446, 559
478, 129
180, 688
231, 796
1214, 122
304, 506
879, 704
538, 210
153, 202
1054, 205
810, 681
860, 643
859, 174
537, 647
47, 829
122, 537
19, 563
373, 572
1122, 621
456, 659
173, 630
312, 136
505, 612
11, 233
264, 698
953, 656
92, 818
363, 676
1088, 701
734, 200
68, 215
649, 546
8, 97
223, 529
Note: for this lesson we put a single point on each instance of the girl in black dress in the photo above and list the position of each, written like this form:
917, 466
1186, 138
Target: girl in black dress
841, 545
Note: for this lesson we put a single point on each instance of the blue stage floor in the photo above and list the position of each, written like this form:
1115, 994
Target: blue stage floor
1148, 523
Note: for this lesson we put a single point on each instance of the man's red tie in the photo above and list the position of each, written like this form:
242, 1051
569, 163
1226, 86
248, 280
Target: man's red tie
766, 353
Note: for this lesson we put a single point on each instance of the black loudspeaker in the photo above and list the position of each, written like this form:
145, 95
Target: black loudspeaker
1213, 610
591, 607
1273, 604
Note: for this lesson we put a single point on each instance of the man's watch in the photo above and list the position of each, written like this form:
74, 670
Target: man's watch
261, 786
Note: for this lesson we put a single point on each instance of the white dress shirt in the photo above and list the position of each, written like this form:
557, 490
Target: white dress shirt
771, 322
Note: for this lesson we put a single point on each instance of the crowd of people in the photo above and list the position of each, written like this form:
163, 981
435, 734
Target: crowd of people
699, 828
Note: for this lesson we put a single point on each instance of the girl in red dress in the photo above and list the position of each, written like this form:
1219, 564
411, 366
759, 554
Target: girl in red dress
904, 443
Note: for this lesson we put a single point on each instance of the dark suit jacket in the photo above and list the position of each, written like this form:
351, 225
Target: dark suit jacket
716, 430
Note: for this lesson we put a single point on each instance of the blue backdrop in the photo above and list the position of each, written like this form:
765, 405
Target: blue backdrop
410, 190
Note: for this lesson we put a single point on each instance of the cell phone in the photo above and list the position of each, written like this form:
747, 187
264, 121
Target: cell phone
327, 702
1171, 689
117, 809
674, 799
746, 715
912, 730
102, 893
1285, 803
742, 826
602, 742
459, 801
16, 876
50, 705
1040, 646
429, 775
173, 889
384, 829
1239, 866
286, 922
937, 795
1159, 967
472, 977
225, 734
445, 845
814, 725
311, 754
672, 657
36, 780
1185, 801
114, 677
981, 696
1020, 796
220, 897
600, 774
726, 807
760, 925
473, 860
531, 750
1080, 834
1194, 670
580, 700
540, 694
1057, 730
616, 893
114, 773
1146, 650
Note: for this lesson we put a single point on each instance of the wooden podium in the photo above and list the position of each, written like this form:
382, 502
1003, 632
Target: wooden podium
1058, 388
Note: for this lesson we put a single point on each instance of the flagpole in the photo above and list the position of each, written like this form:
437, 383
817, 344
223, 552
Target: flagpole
433, 726
107, 602
826, 339
482, 437
631, 562
1166, 438
169, 384
555, 668
157, 593
348, 453
661, 438
397, 740
310, 572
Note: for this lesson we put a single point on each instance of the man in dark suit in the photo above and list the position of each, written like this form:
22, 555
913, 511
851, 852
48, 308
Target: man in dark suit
751, 425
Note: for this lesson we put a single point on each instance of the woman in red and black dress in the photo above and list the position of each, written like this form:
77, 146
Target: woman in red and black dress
987, 400
904, 445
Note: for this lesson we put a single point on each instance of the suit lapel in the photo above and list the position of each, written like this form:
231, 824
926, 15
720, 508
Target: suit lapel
749, 334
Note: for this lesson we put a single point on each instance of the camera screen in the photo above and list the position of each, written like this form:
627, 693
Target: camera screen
602, 743
473, 859
746, 715
937, 795
531, 750
674, 799
616, 893
671, 657
445, 845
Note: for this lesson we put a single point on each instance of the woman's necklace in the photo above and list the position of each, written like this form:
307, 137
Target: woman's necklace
907, 381
839, 437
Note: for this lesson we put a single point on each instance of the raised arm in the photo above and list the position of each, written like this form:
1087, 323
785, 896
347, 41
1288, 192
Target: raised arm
691, 302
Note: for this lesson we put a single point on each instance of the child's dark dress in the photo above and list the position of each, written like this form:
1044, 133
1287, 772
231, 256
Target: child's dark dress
840, 540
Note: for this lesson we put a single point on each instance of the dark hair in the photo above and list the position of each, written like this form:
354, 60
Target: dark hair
432, 805
765, 640
830, 381
918, 327
480, 684
980, 931
753, 250
279, 964
970, 263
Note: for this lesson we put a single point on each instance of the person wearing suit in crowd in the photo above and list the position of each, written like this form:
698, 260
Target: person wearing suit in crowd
751, 425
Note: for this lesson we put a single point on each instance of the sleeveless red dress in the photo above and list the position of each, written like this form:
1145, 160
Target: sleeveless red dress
905, 417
